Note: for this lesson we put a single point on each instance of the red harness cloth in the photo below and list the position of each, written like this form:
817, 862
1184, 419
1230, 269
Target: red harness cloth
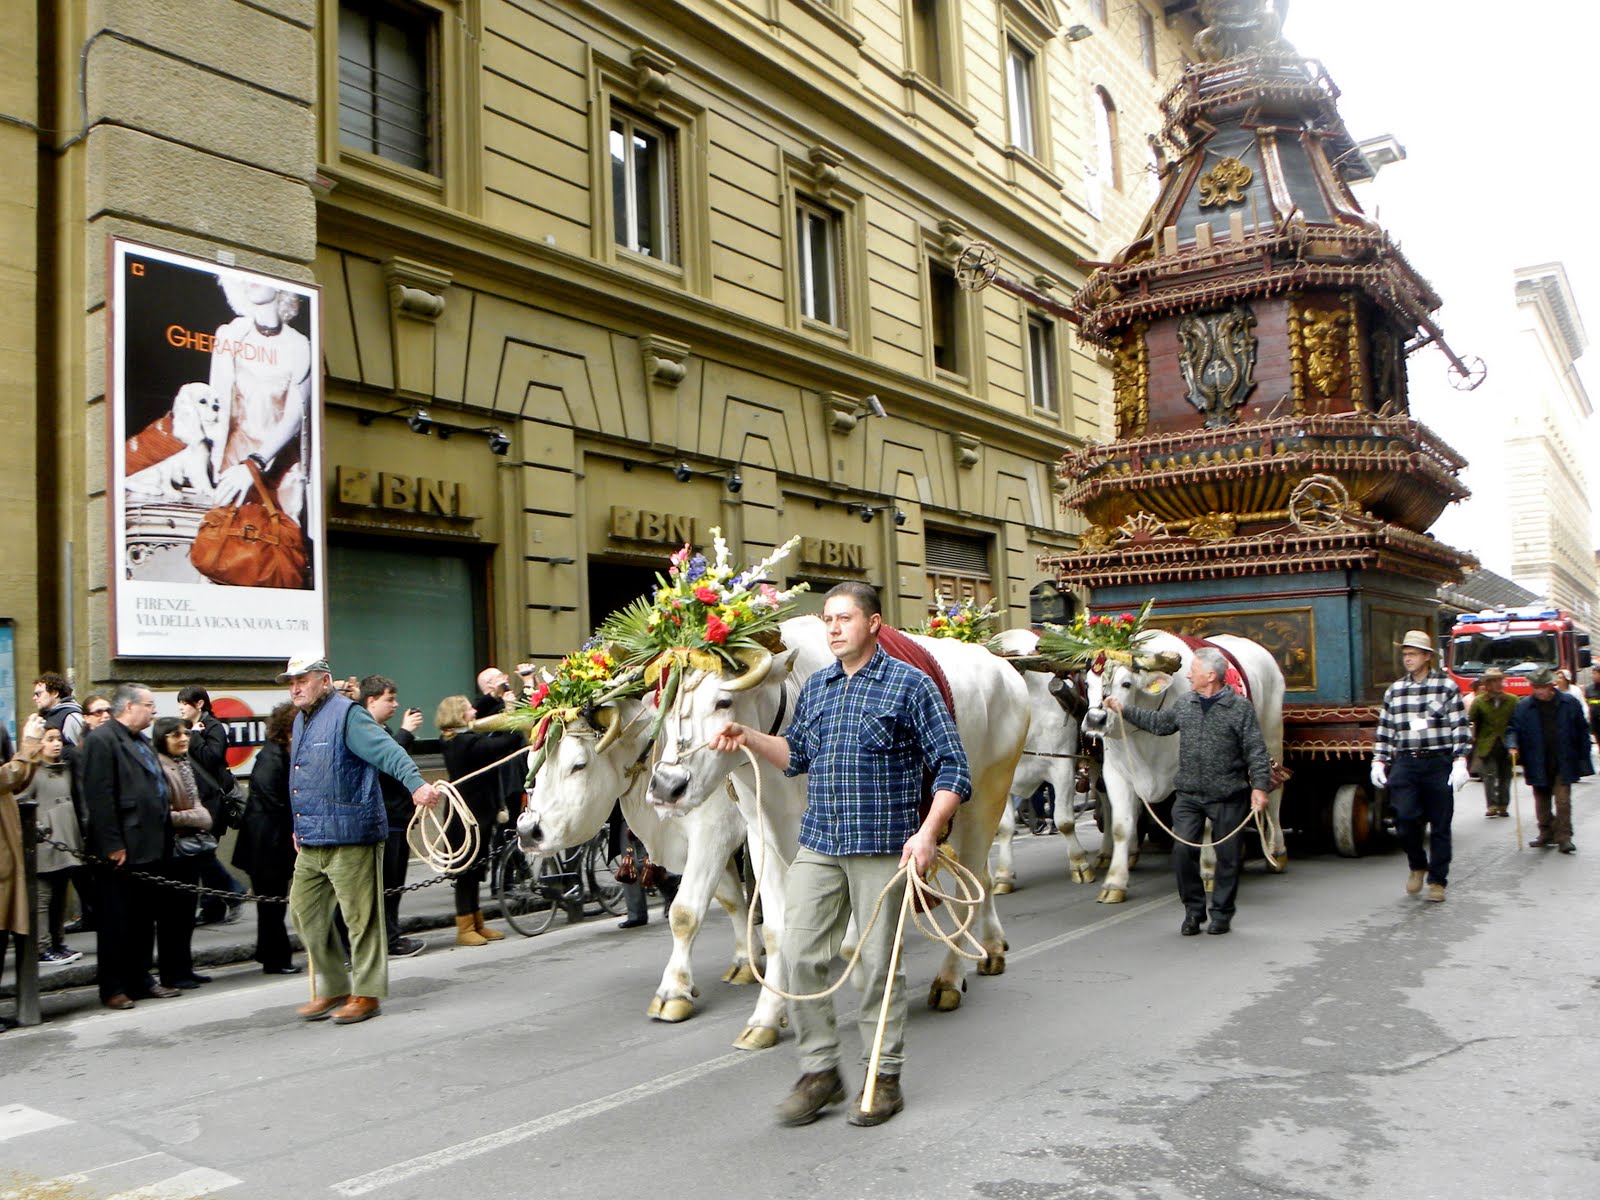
1235, 677
897, 645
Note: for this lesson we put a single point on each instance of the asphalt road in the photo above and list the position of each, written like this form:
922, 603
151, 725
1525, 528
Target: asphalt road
1345, 1041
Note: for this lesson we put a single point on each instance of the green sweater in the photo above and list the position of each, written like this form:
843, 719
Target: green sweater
1490, 717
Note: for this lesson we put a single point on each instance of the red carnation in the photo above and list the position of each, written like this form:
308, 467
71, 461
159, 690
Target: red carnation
538, 696
1127, 618
716, 630
705, 595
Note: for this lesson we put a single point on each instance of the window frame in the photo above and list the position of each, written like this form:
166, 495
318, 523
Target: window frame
1147, 42
967, 372
454, 66
1101, 98
1046, 383
668, 198
808, 211
414, 23
1022, 97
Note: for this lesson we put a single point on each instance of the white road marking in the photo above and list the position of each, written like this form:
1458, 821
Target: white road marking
360, 1185
387, 1176
197, 1181
16, 1120
1062, 939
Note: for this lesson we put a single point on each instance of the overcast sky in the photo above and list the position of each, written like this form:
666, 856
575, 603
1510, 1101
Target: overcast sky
1492, 102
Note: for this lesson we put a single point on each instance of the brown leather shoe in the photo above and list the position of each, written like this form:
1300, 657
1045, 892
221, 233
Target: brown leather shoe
320, 1009
119, 1001
814, 1091
886, 1101
161, 991
358, 1009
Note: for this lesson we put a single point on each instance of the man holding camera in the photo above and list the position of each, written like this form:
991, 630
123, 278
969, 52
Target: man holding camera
381, 700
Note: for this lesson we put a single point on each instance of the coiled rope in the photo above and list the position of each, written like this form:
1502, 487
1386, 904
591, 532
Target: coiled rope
428, 831
1259, 815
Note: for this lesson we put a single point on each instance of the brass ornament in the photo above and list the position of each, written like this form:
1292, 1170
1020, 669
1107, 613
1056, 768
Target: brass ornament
1130, 383
1097, 539
1326, 366
1225, 183
1141, 528
1214, 527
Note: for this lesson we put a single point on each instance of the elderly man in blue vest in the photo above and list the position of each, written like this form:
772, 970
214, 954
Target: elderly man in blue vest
340, 824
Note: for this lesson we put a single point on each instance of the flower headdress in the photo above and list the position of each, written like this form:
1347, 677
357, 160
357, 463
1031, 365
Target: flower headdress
1090, 640
703, 615
964, 620
581, 684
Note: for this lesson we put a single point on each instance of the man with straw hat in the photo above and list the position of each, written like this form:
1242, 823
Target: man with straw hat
340, 826
863, 731
1420, 754
1490, 714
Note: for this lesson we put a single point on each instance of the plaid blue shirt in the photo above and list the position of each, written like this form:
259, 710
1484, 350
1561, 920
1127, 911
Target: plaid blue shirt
864, 739
1434, 706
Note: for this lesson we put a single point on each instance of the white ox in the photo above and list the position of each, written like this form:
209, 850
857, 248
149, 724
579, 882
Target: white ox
991, 718
1050, 756
1141, 767
590, 769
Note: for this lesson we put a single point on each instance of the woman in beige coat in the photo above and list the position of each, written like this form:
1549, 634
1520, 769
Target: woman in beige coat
14, 777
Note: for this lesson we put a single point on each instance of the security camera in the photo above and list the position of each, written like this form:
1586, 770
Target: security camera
499, 443
874, 405
420, 421
899, 516
682, 473
735, 482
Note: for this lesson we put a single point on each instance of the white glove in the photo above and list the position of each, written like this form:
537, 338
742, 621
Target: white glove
1380, 774
1459, 774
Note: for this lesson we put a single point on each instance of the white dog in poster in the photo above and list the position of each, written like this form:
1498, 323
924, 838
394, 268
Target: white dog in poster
200, 422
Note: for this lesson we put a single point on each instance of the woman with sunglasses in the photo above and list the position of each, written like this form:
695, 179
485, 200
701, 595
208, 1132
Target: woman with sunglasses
186, 815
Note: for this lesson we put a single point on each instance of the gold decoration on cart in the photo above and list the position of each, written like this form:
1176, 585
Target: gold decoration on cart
1214, 527
1225, 183
1320, 504
1130, 383
1140, 528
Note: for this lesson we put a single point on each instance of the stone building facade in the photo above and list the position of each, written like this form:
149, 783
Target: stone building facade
646, 269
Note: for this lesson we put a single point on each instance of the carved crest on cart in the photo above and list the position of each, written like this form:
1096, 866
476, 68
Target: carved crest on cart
1225, 183
1218, 358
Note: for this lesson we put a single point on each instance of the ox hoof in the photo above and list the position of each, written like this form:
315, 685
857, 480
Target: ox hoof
1281, 865
1111, 895
944, 998
756, 1037
740, 975
1083, 874
1004, 887
655, 1007
1103, 863
992, 964
673, 1009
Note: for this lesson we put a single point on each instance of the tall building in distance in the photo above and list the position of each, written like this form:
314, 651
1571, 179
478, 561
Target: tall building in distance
1547, 482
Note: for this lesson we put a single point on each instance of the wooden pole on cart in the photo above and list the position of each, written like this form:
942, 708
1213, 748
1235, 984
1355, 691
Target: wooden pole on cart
870, 1089
1516, 799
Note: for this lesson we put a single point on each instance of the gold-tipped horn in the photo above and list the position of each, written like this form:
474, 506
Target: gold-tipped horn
1166, 661
757, 663
608, 719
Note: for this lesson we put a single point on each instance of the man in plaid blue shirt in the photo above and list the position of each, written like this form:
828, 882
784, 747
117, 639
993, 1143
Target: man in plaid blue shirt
1422, 727
863, 731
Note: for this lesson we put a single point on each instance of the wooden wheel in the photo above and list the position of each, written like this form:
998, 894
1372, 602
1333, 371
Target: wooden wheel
1318, 504
976, 267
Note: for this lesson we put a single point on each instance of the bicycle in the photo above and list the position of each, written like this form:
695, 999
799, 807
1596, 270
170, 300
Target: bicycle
531, 891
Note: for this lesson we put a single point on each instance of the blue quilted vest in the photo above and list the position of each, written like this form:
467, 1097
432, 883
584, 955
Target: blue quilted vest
335, 796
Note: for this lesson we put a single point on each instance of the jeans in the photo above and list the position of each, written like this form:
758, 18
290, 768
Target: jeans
1424, 805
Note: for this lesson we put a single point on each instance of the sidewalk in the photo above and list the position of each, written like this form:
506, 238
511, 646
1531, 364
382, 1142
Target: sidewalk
222, 945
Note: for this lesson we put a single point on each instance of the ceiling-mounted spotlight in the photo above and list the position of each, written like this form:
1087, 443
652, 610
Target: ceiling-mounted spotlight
874, 406
1077, 33
866, 514
735, 481
682, 473
499, 443
899, 516
420, 421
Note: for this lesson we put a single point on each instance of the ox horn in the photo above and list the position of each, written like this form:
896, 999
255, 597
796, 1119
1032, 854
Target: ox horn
757, 663
1166, 661
608, 719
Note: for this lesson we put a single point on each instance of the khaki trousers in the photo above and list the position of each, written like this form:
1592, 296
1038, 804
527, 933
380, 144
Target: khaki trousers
351, 879
821, 893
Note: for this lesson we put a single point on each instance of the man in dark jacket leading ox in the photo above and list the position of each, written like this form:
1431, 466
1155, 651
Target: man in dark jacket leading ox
1550, 734
1223, 772
340, 826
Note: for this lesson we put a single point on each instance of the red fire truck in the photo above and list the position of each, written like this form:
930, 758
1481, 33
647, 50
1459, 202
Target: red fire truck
1518, 641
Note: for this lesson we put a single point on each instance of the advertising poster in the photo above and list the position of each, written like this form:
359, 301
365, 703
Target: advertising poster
215, 399
242, 711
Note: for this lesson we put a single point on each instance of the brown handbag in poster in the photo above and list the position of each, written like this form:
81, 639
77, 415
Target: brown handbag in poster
250, 544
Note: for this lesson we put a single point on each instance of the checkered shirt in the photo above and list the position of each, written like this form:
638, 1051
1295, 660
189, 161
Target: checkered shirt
1436, 699
863, 741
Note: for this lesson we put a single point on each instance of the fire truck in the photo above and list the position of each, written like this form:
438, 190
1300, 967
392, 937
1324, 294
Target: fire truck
1518, 641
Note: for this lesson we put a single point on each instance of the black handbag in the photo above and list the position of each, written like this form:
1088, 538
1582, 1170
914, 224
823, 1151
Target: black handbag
193, 845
